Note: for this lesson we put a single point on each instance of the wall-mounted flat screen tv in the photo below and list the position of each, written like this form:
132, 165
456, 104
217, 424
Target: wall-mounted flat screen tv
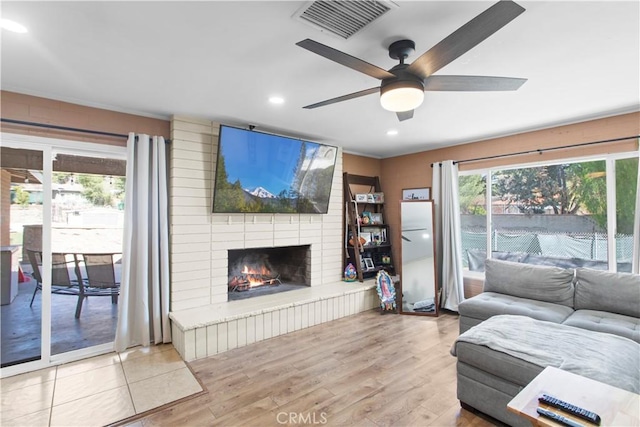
262, 173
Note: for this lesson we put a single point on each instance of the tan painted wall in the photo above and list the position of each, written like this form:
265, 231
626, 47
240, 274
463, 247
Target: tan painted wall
360, 165
17, 106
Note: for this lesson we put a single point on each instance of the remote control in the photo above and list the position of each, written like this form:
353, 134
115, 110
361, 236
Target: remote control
572, 409
558, 418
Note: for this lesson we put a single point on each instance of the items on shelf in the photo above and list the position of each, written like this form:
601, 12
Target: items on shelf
367, 244
371, 218
377, 197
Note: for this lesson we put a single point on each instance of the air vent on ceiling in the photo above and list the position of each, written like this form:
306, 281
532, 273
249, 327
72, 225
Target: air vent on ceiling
343, 18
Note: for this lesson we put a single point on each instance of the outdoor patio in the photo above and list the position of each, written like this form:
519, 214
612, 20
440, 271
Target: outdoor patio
21, 324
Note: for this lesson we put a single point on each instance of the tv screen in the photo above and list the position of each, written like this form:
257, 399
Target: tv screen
262, 173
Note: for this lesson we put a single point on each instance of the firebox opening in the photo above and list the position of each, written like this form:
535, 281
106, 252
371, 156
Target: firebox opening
263, 271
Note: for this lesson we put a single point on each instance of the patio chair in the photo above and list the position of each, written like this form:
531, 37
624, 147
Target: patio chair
61, 282
101, 278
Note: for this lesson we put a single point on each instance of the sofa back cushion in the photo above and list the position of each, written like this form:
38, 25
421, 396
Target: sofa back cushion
542, 283
606, 291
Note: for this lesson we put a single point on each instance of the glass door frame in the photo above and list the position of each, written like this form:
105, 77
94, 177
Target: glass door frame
50, 147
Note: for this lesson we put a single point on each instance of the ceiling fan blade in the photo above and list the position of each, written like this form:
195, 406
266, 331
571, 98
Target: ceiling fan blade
465, 38
345, 59
472, 83
344, 98
404, 115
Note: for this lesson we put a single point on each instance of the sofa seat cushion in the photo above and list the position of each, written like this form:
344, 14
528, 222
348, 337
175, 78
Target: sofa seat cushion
487, 304
603, 321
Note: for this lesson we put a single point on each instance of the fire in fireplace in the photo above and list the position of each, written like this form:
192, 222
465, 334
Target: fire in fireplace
253, 276
254, 270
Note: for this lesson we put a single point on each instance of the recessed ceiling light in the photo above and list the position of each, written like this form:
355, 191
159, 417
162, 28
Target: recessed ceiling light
392, 132
9, 25
276, 100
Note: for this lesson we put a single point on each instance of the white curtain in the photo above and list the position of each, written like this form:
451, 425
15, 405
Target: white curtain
635, 267
143, 307
448, 233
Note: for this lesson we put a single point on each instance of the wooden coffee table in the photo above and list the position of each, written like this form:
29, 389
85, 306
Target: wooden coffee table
615, 406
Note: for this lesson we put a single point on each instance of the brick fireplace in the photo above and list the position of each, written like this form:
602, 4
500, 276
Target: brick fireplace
203, 320
201, 242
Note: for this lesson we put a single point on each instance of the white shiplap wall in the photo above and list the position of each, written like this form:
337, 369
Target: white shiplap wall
200, 240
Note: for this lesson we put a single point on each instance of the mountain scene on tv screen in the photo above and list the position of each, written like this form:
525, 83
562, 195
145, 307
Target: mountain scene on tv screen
295, 179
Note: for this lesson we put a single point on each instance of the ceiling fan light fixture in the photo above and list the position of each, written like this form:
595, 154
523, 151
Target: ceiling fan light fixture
401, 96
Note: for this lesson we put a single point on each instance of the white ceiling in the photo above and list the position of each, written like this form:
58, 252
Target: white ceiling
223, 60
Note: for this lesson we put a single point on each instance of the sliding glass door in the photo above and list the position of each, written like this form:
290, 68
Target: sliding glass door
87, 215
22, 205
63, 204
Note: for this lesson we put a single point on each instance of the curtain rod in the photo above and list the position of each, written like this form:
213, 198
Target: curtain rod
542, 150
70, 129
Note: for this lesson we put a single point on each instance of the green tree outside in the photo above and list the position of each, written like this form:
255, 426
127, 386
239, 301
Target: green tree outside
532, 190
61, 177
94, 190
472, 191
22, 197
593, 190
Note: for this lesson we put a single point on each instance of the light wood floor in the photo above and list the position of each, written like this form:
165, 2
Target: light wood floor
363, 370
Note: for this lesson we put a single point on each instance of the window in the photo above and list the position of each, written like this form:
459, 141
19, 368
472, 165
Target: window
578, 213
473, 219
625, 171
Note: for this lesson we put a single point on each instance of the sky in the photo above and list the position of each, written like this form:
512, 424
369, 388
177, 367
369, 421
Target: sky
258, 159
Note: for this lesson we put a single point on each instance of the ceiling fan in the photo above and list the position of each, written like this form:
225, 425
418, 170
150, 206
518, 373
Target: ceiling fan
403, 86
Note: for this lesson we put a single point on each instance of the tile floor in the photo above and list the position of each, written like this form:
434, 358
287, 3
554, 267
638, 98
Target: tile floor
97, 391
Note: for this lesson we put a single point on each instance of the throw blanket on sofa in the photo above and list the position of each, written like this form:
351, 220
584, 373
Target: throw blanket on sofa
603, 357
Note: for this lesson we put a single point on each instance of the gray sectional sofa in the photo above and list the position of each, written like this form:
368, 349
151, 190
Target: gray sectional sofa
529, 317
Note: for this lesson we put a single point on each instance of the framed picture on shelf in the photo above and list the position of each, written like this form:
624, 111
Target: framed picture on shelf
376, 218
366, 218
368, 264
378, 197
376, 237
416, 193
367, 238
